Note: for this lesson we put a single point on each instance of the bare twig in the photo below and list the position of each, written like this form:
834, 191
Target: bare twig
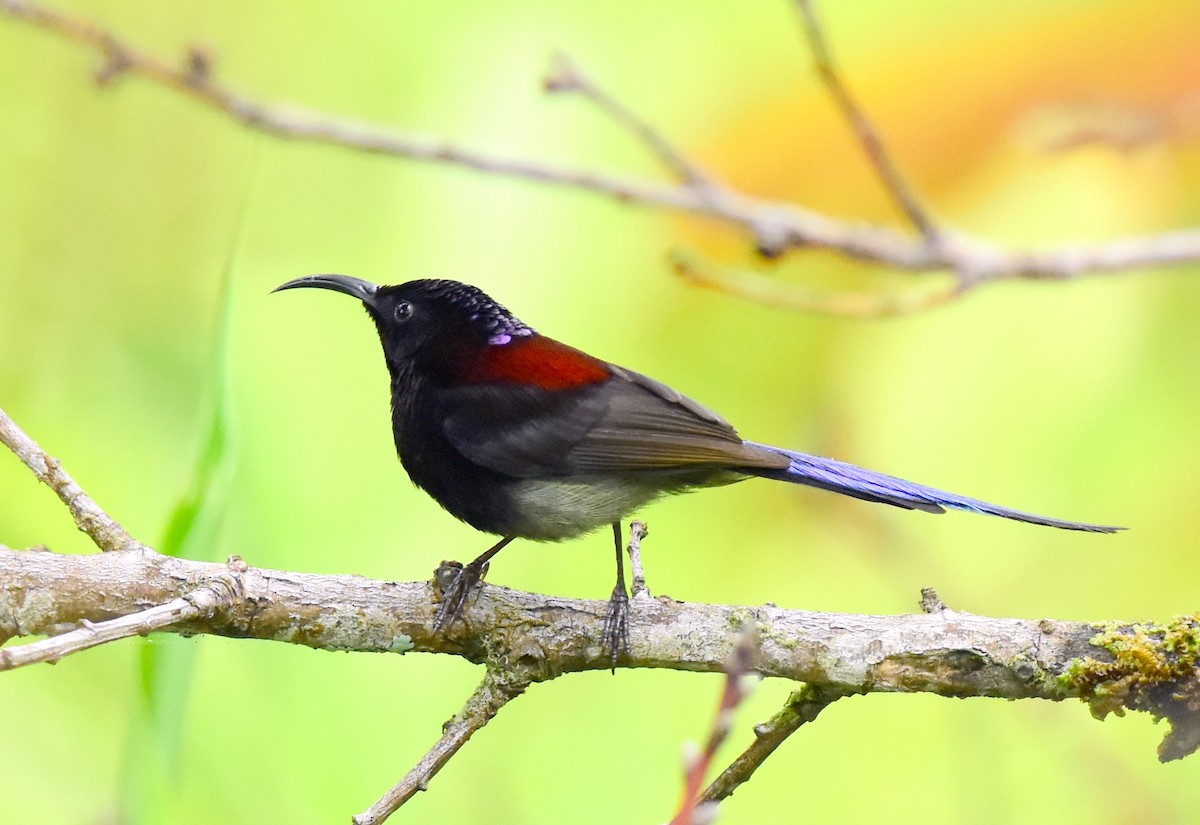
100, 527
216, 593
1063, 127
493, 693
122, 57
566, 76
761, 289
802, 707
863, 128
637, 532
692, 811
775, 226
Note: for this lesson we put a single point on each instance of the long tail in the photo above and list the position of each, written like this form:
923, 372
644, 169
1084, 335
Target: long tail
847, 479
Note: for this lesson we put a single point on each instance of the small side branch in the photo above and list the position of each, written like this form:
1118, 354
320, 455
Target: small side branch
100, 527
493, 693
637, 532
215, 594
802, 707
864, 129
754, 286
566, 76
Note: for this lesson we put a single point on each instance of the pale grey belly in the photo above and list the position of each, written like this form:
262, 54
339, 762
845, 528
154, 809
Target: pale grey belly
550, 509
553, 509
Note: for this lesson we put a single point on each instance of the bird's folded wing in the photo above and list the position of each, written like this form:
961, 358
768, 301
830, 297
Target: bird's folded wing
649, 426
627, 423
520, 431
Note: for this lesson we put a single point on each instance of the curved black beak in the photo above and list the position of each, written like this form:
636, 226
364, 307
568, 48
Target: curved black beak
354, 287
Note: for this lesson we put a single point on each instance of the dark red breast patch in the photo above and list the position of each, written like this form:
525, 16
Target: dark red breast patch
542, 362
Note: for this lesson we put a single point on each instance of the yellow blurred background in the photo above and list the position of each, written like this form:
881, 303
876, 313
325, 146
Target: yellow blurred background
124, 206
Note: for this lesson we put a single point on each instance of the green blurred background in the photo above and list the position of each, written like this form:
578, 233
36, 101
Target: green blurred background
122, 207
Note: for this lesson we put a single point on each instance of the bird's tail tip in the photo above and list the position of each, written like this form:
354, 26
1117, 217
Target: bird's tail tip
848, 479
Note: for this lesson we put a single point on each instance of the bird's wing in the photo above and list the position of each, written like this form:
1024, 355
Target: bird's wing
649, 426
624, 422
520, 431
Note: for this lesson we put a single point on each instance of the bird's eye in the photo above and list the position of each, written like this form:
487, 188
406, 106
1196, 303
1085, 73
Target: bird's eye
403, 311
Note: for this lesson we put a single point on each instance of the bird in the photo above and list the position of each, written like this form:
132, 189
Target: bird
522, 436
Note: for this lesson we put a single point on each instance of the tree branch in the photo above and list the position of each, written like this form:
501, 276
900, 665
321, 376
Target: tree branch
863, 128
216, 593
637, 584
522, 638
566, 76
525, 637
776, 227
802, 707
948, 653
494, 692
100, 527
757, 287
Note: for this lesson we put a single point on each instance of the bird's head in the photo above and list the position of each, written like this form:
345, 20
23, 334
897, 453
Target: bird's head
414, 315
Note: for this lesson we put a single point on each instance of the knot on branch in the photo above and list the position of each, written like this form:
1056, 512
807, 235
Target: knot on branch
116, 62
220, 592
198, 67
561, 75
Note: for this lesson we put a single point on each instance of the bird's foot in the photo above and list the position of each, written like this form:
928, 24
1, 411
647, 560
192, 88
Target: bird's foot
616, 625
456, 583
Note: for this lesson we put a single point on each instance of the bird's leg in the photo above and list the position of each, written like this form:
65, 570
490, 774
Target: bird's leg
616, 623
454, 596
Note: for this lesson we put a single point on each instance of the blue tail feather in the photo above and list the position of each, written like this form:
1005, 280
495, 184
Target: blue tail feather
840, 477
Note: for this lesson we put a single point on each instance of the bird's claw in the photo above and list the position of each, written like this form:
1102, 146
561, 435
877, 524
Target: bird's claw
616, 626
456, 587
